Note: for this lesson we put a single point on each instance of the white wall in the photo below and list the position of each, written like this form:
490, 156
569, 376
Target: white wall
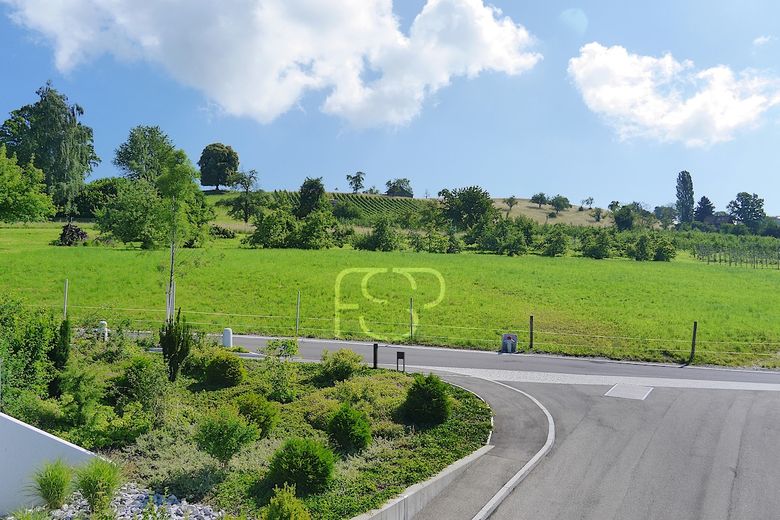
24, 449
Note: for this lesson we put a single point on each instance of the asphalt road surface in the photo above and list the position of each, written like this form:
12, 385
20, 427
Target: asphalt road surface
667, 442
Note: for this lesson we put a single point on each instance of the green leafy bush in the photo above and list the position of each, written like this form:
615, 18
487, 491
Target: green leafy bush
285, 505
427, 401
176, 341
144, 380
224, 369
283, 379
223, 432
221, 232
350, 429
258, 411
98, 481
281, 348
52, 483
304, 463
340, 365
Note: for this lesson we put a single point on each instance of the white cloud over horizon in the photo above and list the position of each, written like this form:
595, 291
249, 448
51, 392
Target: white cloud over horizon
760, 41
666, 100
259, 58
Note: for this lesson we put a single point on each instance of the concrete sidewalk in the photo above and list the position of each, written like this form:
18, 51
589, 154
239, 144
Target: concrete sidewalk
520, 430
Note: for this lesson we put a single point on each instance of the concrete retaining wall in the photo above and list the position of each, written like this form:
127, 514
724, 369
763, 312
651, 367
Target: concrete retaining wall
23, 450
418, 496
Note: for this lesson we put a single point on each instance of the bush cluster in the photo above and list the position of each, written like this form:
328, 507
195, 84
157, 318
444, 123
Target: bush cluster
218, 231
350, 429
284, 505
223, 432
224, 369
258, 411
340, 365
427, 401
303, 463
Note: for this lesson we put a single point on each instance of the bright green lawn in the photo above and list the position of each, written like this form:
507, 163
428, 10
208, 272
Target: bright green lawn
614, 308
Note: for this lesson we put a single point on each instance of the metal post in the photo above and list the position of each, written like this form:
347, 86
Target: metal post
411, 319
376, 354
693, 343
298, 314
65, 304
531, 332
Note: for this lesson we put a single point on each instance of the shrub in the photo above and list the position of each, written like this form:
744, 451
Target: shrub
555, 243
71, 235
350, 429
340, 365
281, 348
98, 482
427, 402
223, 433
60, 351
144, 380
52, 483
224, 369
384, 236
285, 506
304, 463
221, 232
283, 379
176, 342
664, 250
597, 245
196, 364
258, 411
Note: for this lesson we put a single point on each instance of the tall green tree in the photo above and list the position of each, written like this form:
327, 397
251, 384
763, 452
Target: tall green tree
705, 209
747, 209
539, 198
248, 202
465, 207
665, 215
684, 197
217, 162
50, 134
559, 203
399, 188
312, 196
22, 195
356, 181
144, 154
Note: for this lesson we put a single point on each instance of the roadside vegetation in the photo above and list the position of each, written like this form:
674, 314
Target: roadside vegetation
246, 436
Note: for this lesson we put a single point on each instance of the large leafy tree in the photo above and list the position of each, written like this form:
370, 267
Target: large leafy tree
465, 207
248, 202
217, 162
539, 198
705, 209
22, 196
144, 154
356, 181
559, 203
50, 134
684, 197
747, 209
399, 188
665, 215
312, 196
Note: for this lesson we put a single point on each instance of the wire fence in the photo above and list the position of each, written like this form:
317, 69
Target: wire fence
689, 345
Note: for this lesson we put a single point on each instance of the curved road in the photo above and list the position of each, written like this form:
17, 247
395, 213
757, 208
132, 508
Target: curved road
634, 441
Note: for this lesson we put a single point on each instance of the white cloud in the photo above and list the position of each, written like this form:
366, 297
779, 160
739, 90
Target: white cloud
667, 100
258, 58
760, 41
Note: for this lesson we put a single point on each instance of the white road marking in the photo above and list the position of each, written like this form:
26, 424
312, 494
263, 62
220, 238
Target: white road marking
602, 380
629, 392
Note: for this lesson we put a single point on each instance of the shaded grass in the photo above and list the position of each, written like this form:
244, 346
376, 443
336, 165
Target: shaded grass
614, 308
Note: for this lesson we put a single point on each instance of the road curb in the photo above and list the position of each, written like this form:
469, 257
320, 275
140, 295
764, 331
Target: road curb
518, 477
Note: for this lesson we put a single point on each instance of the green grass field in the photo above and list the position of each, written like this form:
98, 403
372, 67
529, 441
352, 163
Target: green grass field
615, 308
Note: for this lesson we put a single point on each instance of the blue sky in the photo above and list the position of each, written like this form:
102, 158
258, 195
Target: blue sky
511, 114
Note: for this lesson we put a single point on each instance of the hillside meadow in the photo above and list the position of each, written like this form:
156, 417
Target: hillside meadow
614, 308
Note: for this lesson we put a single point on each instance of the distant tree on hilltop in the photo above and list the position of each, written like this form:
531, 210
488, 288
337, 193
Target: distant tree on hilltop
217, 162
539, 198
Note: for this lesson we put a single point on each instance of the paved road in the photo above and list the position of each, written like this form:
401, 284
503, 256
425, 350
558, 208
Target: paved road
679, 454
702, 444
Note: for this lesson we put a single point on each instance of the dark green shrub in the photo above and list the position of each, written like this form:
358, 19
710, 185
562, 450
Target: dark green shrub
427, 402
384, 236
71, 235
196, 364
223, 432
224, 369
283, 379
350, 429
144, 380
285, 506
217, 231
176, 341
60, 351
258, 411
52, 483
597, 245
304, 463
664, 250
98, 482
340, 365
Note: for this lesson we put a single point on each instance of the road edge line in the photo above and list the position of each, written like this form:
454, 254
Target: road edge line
489, 508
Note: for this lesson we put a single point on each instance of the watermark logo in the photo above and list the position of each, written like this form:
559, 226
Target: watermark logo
344, 305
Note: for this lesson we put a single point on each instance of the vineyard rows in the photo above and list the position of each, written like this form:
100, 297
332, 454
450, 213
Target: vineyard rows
371, 205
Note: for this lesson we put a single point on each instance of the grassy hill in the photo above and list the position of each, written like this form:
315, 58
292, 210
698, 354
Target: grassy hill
373, 206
